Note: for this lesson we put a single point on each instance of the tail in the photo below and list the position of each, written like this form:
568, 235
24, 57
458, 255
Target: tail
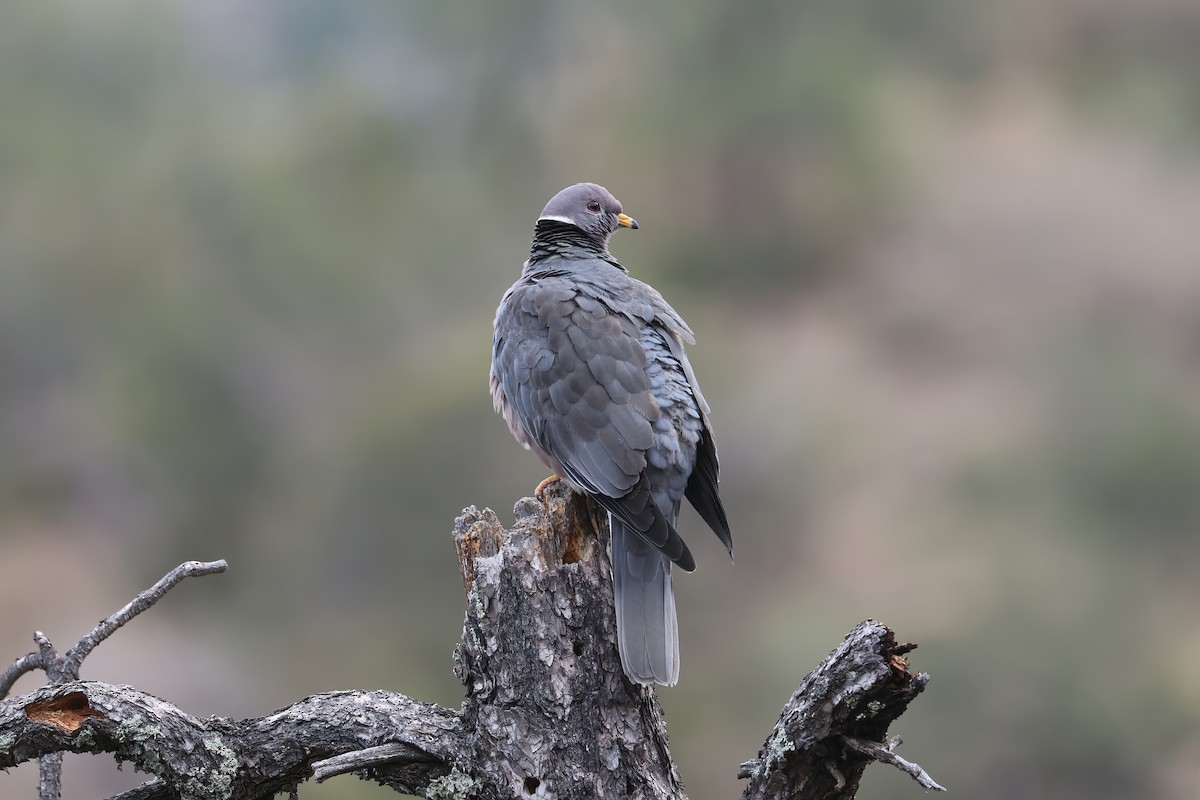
647, 633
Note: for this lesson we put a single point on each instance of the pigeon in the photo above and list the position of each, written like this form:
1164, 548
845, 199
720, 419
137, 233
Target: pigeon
589, 372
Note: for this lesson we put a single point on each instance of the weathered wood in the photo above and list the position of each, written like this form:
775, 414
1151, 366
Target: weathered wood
60, 670
546, 695
224, 758
548, 710
815, 749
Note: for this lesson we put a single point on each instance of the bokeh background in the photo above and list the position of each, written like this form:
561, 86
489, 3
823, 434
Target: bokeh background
942, 257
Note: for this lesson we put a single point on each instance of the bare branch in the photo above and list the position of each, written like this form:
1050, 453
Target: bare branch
59, 670
69, 669
153, 789
50, 766
50, 776
886, 754
26, 663
220, 758
855, 693
361, 759
46, 651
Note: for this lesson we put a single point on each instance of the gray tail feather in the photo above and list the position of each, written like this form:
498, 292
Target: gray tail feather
647, 633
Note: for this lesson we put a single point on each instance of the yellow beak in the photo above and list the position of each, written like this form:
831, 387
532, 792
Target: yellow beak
626, 221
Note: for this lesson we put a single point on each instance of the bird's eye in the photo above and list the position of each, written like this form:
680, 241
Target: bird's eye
593, 206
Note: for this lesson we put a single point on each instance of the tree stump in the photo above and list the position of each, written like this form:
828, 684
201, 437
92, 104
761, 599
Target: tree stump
550, 705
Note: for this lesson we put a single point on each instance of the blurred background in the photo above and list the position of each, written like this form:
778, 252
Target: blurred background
942, 258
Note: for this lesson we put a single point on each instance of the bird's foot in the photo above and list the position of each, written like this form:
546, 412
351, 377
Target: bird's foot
539, 492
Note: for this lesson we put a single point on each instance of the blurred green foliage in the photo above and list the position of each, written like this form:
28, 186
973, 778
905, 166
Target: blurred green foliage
941, 260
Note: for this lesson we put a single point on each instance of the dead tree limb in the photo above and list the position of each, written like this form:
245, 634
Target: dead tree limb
223, 758
60, 670
836, 722
548, 711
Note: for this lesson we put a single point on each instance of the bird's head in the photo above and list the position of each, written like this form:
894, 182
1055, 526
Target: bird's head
591, 208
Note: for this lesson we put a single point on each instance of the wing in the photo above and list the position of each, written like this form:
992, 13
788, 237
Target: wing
702, 491
573, 374
703, 484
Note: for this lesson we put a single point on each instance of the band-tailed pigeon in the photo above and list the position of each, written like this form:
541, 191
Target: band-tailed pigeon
589, 372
